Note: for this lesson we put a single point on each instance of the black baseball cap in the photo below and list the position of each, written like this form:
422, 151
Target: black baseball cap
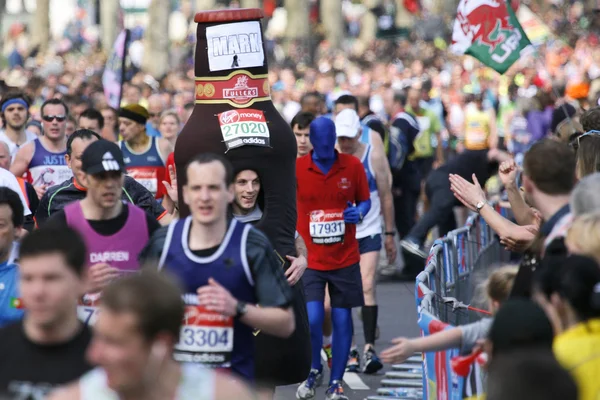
102, 156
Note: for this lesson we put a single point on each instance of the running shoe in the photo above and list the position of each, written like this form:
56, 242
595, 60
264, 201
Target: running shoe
327, 350
335, 392
413, 248
306, 390
353, 364
372, 362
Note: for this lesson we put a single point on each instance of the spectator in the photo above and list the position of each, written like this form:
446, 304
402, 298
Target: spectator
519, 325
585, 197
584, 236
548, 179
497, 288
529, 375
569, 291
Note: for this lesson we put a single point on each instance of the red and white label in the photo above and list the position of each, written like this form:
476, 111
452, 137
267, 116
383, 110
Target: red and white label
327, 226
145, 176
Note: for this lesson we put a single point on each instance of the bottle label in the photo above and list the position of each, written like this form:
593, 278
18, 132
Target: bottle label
244, 128
239, 89
232, 46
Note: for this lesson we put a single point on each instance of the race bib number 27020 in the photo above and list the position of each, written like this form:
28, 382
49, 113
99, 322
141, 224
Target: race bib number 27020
327, 226
247, 127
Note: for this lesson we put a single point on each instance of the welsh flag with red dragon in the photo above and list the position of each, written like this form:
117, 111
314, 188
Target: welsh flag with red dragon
489, 31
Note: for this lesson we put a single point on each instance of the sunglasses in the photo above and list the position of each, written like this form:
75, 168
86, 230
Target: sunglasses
50, 118
576, 142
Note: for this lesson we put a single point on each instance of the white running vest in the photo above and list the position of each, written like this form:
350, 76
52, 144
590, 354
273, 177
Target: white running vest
371, 223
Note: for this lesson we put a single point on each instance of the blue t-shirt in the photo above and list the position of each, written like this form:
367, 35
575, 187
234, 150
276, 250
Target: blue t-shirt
10, 303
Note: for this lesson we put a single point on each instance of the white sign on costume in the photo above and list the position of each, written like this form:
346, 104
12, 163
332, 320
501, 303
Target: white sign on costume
234, 46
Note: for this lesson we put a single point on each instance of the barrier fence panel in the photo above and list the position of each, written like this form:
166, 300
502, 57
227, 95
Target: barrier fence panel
448, 273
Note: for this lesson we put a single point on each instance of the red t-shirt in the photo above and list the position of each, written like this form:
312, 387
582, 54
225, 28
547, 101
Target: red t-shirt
322, 199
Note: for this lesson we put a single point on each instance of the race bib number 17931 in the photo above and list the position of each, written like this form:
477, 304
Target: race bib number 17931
327, 226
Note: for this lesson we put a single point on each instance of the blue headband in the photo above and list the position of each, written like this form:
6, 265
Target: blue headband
16, 100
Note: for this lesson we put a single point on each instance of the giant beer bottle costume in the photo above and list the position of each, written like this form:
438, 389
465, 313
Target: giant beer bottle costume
234, 116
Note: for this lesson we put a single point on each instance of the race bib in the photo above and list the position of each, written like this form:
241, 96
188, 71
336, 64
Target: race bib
206, 337
148, 178
87, 309
246, 127
327, 226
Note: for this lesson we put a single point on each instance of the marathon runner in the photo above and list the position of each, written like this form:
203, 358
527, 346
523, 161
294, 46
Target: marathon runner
11, 222
245, 209
14, 109
59, 196
144, 156
369, 136
115, 232
406, 175
301, 127
91, 119
229, 271
328, 186
428, 144
480, 126
370, 119
132, 346
368, 232
27, 190
47, 348
44, 158
8, 180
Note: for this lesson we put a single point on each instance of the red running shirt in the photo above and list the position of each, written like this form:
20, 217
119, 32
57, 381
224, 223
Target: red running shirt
321, 199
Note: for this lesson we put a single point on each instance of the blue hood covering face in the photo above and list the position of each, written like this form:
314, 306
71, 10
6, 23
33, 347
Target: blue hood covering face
323, 138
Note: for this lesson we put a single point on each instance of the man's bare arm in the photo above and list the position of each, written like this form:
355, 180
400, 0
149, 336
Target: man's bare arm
22, 160
301, 249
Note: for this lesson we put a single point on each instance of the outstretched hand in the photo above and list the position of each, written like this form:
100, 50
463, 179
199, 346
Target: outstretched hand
470, 194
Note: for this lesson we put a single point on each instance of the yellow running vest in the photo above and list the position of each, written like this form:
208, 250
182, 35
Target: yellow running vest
477, 130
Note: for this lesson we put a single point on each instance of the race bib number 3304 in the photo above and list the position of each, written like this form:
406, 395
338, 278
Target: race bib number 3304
246, 127
327, 226
206, 337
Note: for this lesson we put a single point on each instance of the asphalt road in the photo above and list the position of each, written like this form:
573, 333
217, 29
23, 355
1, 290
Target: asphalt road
397, 317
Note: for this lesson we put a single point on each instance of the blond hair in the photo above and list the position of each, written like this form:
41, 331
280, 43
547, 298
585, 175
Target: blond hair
584, 235
169, 113
498, 285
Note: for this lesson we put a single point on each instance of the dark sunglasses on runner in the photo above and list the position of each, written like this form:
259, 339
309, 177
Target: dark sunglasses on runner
575, 143
50, 118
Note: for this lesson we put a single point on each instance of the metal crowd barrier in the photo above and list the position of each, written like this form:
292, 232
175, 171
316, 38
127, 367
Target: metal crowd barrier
448, 273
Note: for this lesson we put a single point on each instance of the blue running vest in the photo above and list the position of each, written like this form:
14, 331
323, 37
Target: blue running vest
208, 338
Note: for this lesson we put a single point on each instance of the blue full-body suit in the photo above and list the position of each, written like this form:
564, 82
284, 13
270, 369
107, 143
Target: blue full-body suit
323, 139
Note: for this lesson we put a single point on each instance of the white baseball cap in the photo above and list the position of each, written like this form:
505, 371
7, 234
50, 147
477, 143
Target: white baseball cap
347, 123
